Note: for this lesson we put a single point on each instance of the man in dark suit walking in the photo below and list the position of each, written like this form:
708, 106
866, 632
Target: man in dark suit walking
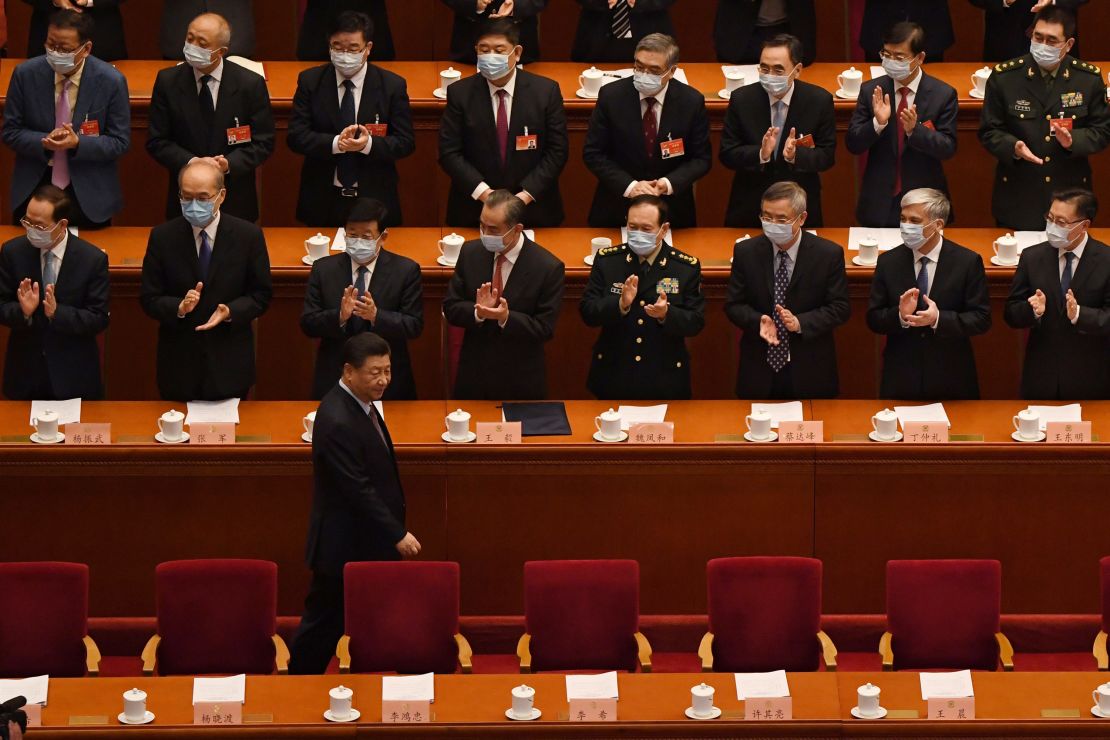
781, 129
648, 135
788, 292
312, 38
1007, 24
472, 15
54, 314
362, 290
177, 14
742, 26
928, 297
1061, 294
504, 129
905, 122
358, 504
206, 277
211, 108
351, 121
505, 294
107, 32
610, 30
932, 15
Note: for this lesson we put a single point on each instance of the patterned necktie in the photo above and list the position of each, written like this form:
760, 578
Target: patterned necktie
922, 283
205, 254
502, 125
346, 169
621, 20
207, 104
498, 282
778, 118
900, 137
1065, 279
59, 177
49, 271
651, 127
360, 282
777, 354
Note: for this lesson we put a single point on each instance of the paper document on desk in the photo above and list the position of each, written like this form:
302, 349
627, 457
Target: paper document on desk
928, 412
228, 689
409, 688
213, 412
770, 685
69, 411
1070, 412
641, 415
955, 685
780, 412
32, 689
597, 686
1026, 239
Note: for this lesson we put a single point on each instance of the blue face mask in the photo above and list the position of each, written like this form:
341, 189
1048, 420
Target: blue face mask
198, 213
647, 83
642, 243
775, 84
41, 239
62, 63
1044, 54
493, 66
778, 234
494, 243
363, 251
913, 235
897, 69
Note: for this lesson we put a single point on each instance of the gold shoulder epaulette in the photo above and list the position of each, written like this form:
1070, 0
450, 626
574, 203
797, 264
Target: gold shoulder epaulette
606, 251
1086, 66
689, 259
1010, 64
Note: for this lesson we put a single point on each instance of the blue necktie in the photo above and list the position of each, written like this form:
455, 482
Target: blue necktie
777, 354
49, 272
205, 254
1065, 279
922, 283
346, 168
360, 283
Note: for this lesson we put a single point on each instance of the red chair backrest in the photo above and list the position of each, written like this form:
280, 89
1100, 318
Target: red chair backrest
582, 614
44, 619
402, 617
944, 613
216, 616
764, 613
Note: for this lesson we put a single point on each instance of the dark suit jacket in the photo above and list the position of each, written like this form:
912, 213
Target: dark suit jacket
505, 364
735, 25
817, 295
177, 135
1063, 360
748, 118
469, 155
926, 363
358, 504
594, 42
468, 23
218, 363
64, 347
107, 36
178, 14
312, 40
29, 117
1005, 32
395, 288
922, 153
315, 123
932, 15
614, 150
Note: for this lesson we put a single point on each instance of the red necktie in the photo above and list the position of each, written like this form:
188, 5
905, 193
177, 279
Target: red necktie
498, 283
502, 125
651, 127
900, 137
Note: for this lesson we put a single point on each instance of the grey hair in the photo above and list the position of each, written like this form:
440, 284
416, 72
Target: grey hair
937, 207
217, 173
223, 36
662, 44
513, 207
787, 190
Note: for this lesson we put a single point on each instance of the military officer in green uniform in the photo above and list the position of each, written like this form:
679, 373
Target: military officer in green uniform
646, 297
1044, 114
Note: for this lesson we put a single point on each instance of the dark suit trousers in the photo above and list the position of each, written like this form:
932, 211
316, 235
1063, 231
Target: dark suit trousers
782, 384
77, 216
754, 48
321, 626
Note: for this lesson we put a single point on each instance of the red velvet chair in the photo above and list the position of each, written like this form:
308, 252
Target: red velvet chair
44, 621
1100, 641
403, 618
216, 616
582, 615
944, 614
765, 615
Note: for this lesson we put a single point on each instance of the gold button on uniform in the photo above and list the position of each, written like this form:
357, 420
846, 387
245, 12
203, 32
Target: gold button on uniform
1048, 179
641, 321
678, 364
639, 340
599, 355
641, 303
1048, 159
1048, 138
637, 358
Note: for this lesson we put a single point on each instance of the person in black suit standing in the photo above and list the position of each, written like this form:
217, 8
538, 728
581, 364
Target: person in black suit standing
351, 121
1008, 24
206, 277
503, 129
743, 25
788, 292
213, 109
648, 135
54, 315
472, 15
781, 129
312, 39
107, 33
611, 30
1061, 294
932, 15
506, 294
358, 503
928, 297
177, 14
905, 122
362, 290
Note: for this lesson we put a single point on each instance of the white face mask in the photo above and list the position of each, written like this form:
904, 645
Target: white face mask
1059, 236
347, 62
41, 239
196, 56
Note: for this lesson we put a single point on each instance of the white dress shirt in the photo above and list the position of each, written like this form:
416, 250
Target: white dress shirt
785, 114
511, 256
214, 86
659, 98
369, 270
910, 98
359, 78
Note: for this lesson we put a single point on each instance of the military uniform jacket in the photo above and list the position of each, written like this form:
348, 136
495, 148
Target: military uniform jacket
636, 356
1016, 107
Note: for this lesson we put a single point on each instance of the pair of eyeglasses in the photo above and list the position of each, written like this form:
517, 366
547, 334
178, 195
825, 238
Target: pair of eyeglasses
28, 225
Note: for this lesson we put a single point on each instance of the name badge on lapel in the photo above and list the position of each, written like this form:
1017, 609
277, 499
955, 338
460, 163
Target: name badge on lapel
90, 128
929, 125
667, 285
377, 128
528, 142
805, 142
672, 148
238, 134
1061, 122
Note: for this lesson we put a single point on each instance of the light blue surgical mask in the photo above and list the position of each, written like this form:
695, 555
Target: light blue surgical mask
913, 235
494, 66
1058, 236
196, 56
647, 83
1045, 55
775, 84
62, 63
642, 243
897, 69
778, 234
363, 251
41, 239
494, 243
347, 63
198, 213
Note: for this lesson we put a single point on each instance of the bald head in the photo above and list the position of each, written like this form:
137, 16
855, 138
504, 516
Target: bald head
209, 31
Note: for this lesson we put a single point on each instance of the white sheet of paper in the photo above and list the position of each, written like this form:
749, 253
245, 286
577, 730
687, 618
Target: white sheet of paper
877, 71
1071, 412
641, 415
409, 688
213, 412
1027, 239
33, 689
68, 411
780, 412
624, 236
955, 685
339, 243
380, 408
746, 236
229, 688
770, 685
928, 412
250, 64
596, 686
887, 238
750, 72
